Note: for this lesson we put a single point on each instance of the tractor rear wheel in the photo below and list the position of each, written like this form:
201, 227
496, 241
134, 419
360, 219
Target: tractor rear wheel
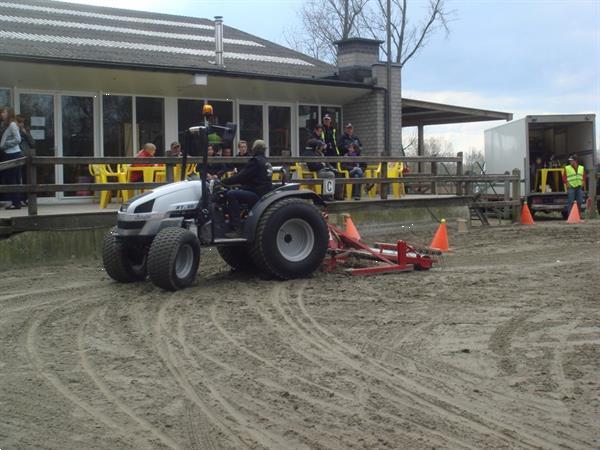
122, 261
291, 239
174, 258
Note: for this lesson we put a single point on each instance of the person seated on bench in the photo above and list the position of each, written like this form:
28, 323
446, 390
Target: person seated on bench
214, 171
316, 147
255, 181
147, 151
351, 146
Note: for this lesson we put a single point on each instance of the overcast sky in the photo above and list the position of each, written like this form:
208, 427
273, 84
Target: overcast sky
519, 56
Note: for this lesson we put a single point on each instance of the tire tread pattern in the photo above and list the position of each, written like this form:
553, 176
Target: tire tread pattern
114, 261
257, 248
162, 256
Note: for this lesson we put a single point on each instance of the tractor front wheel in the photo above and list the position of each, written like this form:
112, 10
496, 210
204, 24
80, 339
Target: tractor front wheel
174, 258
123, 261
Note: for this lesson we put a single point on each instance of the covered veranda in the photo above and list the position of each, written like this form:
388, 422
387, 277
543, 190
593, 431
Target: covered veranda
419, 114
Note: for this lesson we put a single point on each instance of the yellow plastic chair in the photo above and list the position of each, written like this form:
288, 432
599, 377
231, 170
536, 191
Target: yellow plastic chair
149, 174
119, 175
101, 176
303, 173
347, 187
189, 170
395, 170
373, 171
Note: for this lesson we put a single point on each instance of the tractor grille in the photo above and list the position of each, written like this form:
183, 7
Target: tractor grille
130, 224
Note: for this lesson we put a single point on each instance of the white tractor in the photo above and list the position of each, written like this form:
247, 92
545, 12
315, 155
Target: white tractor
160, 233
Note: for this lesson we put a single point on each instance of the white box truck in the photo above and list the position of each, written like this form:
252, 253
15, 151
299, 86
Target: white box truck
539, 146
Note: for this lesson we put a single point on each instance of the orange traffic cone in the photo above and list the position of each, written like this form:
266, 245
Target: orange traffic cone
574, 216
440, 238
526, 217
350, 229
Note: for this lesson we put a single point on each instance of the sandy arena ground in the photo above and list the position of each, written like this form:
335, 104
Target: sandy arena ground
499, 347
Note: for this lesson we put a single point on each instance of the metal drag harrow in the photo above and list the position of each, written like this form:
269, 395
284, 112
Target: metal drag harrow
399, 257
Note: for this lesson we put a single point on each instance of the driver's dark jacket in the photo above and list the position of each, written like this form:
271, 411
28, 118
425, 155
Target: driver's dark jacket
255, 176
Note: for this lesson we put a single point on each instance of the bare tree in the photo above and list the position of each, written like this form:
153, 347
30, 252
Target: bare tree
323, 23
474, 159
327, 21
407, 38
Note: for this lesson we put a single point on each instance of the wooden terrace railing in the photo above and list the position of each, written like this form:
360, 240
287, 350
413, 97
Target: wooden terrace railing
462, 183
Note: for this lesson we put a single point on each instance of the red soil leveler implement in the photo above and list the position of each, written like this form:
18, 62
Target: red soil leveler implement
345, 246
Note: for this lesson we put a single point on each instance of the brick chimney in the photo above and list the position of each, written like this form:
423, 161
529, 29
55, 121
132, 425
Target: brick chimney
355, 58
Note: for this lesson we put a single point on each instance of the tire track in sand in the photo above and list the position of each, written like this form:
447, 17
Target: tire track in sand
54, 381
58, 292
199, 435
325, 354
419, 365
428, 399
342, 410
89, 369
263, 437
172, 363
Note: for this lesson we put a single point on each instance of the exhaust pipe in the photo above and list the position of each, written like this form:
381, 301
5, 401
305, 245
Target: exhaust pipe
219, 41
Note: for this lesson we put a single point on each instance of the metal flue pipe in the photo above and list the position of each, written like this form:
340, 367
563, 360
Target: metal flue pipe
219, 41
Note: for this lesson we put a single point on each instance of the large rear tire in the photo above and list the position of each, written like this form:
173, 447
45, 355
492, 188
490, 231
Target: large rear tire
123, 262
291, 239
174, 258
237, 256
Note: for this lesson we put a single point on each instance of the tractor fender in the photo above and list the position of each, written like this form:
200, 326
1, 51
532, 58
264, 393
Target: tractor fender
272, 197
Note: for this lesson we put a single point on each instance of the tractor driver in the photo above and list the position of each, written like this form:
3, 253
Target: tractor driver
255, 181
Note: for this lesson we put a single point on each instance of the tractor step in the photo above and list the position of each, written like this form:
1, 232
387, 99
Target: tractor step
233, 241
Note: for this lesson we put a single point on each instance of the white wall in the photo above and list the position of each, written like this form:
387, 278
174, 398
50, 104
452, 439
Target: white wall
506, 147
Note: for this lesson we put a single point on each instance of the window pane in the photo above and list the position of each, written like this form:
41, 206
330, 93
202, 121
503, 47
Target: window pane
5, 99
116, 122
251, 123
38, 110
279, 129
308, 117
223, 112
78, 136
336, 116
189, 114
150, 117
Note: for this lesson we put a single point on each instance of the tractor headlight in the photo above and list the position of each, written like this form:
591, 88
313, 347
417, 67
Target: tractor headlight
144, 207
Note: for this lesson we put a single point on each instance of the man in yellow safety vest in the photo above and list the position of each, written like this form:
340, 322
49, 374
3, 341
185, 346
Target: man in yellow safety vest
574, 179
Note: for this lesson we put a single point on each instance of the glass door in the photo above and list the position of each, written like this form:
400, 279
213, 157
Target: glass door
77, 115
38, 110
280, 127
150, 120
5, 98
251, 123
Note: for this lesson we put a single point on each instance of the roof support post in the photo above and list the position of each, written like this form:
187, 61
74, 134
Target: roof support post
420, 145
388, 120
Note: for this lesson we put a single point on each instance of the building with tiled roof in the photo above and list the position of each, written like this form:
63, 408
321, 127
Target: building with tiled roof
103, 81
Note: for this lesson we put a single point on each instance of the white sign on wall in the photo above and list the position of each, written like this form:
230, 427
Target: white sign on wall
38, 135
38, 121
